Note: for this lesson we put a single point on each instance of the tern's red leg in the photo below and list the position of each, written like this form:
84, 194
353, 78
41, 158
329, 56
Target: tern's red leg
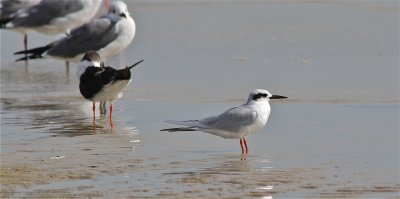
241, 146
245, 144
111, 110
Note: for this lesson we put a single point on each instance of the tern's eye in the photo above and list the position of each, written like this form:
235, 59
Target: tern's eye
113, 11
259, 96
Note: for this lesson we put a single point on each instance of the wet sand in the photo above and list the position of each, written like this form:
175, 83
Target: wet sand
334, 137
46, 156
71, 160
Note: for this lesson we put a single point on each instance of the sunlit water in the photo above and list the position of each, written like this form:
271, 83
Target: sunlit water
336, 136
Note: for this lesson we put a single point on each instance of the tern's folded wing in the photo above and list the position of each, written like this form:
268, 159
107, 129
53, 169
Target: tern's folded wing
233, 120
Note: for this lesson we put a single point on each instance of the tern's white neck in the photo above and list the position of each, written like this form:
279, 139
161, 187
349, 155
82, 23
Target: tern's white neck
259, 105
83, 65
262, 108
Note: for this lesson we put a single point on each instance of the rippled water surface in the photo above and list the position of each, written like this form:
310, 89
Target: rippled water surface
336, 136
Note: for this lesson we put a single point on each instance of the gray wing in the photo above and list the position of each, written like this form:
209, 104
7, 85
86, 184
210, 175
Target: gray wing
47, 10
232, 120
92, 36
9, 8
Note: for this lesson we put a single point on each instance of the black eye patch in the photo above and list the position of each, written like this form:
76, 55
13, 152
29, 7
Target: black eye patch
259, 95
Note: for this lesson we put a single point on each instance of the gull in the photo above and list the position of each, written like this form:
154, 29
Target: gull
47, 16
237, 122
10, 8
99, 83
108, 35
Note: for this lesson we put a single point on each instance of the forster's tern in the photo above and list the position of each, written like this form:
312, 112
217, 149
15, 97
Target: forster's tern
99, 83
236, 122
108, 35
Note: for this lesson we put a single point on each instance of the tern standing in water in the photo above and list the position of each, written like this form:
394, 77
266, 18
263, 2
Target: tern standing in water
237, 122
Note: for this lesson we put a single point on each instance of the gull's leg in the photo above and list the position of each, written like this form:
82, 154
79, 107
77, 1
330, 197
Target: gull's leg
26, 42
26, 45
245, 144
67, 68
241, 146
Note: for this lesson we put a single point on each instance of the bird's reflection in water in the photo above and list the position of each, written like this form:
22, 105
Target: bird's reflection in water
58, 116
103, 113
228, 175
102, 122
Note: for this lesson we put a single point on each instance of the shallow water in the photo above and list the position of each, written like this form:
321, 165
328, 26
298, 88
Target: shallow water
336, 136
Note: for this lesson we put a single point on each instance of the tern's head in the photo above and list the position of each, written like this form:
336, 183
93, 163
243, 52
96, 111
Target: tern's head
261, 95
91, 58
118, 10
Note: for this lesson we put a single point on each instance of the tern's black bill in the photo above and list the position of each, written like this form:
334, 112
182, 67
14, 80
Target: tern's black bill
277, 97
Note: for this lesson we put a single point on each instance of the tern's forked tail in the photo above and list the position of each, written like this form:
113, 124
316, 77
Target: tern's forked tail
180, 129
191, 125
